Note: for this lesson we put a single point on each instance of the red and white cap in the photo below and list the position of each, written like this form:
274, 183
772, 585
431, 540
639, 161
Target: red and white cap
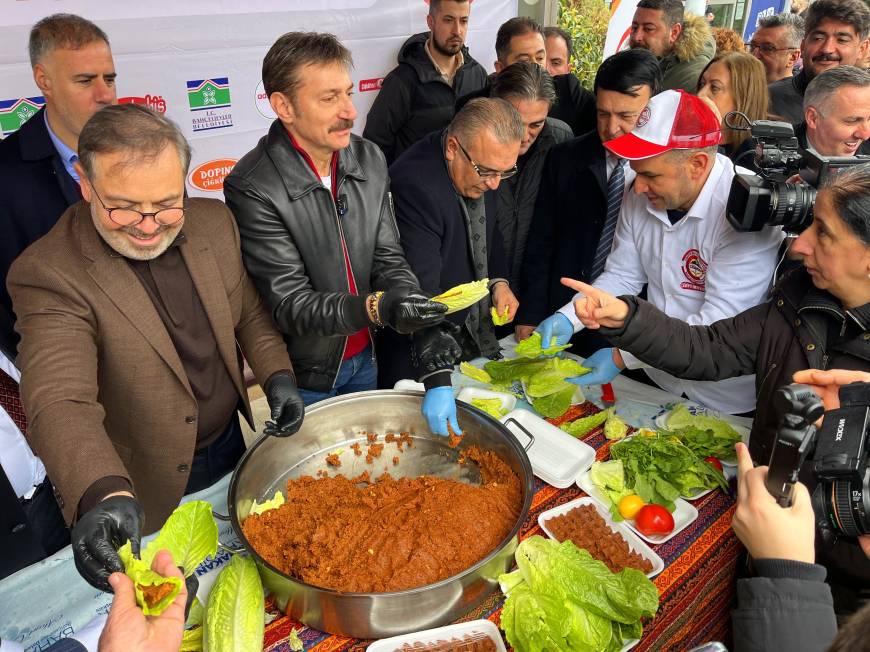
671, 120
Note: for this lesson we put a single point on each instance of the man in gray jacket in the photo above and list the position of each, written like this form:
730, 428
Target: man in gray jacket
315, 216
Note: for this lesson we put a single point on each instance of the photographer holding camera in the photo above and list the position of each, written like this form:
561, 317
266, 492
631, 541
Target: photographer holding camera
817, 317
787, 605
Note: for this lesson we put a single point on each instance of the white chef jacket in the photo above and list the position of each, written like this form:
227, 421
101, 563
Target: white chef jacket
699, 270
24, 469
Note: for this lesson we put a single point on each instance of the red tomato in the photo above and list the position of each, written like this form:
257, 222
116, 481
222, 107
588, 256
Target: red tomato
654, 519
714, 462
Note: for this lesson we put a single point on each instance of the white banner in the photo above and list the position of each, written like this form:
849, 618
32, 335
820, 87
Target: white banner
619, 27
199, 61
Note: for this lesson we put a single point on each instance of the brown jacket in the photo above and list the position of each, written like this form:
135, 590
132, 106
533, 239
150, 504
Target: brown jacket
102, 384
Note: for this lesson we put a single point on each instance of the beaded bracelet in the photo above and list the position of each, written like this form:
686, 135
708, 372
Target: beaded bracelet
372, 302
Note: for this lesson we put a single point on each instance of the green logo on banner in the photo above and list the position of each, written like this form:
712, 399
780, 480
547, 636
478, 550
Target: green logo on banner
14, 113
205, 94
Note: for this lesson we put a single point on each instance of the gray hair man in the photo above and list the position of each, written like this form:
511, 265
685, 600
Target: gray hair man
777, 44
837, 113
73, 70
445, 209
132, 313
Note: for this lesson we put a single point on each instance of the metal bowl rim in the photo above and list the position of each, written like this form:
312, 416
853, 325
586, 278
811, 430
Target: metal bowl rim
524, 511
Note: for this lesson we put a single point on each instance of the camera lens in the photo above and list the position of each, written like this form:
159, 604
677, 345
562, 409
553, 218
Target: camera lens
791, 205
845, 504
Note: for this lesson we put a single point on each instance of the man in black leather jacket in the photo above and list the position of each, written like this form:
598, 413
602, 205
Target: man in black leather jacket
316, 221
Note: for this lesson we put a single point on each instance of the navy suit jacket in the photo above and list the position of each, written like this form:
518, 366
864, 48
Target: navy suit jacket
563, 237
35, 191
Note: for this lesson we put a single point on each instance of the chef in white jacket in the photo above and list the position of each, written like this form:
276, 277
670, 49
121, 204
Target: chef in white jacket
672, 234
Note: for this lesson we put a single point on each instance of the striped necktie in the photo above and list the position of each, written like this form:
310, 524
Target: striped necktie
615, 189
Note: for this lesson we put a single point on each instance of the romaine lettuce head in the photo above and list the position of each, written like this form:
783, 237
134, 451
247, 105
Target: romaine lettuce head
234, 618
584, 425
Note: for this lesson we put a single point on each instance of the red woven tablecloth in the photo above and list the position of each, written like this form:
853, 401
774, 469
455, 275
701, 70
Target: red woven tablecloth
696, 587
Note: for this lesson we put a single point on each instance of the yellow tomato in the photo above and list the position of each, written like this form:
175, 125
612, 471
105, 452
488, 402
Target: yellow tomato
630, 505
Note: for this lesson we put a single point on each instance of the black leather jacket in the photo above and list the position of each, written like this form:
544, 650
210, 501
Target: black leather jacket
291, 236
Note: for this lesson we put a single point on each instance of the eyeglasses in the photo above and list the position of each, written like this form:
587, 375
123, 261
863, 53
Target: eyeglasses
487, 174
130, 217
767, 48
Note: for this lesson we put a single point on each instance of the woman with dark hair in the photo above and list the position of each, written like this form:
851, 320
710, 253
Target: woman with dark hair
736, 81
818, 317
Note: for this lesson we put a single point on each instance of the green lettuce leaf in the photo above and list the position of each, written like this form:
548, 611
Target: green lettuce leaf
463, 296
191, 641
492, 406
190, 534
154, 593
609, 478
614, 427
474, 372
551, 377
234, 616
294, 641
584, 425
560, 598
554, 405
531, 347
497, 319
512, 369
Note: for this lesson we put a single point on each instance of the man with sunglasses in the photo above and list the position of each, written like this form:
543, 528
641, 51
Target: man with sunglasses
777, 44
134, 312
446, 216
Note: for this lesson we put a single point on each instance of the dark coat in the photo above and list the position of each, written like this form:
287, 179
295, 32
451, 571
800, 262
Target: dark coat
787, 98
434, 237
35, 191
799, 328
575, 106
569, 215
414, 100
517, 196
787, 607
292, 237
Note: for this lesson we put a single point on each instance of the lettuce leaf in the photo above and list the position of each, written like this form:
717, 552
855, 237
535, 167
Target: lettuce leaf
513, 369
497, 319
704, 434
531, 347
294, 641
463, 296
554, 405
154, 593
609, 479
492, 406
584, 425
190, 534
476, 373
273, 503
614, 427
560, 598
234, 616
551, 377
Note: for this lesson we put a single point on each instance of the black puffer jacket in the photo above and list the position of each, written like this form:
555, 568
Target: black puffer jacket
801, 327
517, 194
291, 244
414, 99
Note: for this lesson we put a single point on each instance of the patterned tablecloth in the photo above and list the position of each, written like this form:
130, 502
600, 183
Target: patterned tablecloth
696, 587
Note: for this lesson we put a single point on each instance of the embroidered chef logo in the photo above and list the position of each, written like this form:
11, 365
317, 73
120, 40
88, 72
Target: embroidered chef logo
695, 271
644, 117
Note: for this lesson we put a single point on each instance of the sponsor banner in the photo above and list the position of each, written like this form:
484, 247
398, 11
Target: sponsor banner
209, 101
261, 101
619, 27
209, 176
371, 84
758, 10
14, 113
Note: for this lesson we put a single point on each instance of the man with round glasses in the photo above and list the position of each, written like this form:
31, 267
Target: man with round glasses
446, 216
134, 312
777, 44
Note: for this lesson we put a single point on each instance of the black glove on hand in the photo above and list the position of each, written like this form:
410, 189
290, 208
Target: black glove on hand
406, 312
98, 535
287, 406
436, 348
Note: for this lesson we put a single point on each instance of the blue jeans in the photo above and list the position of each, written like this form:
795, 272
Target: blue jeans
356, 374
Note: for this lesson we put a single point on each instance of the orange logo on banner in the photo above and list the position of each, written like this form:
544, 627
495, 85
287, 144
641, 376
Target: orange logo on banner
155, 102
210, 175
371, 84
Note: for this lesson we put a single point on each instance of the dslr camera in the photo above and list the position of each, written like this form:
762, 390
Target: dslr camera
766, 199
837, 452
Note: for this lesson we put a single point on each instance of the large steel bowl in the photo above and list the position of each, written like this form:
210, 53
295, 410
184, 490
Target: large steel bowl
335, 424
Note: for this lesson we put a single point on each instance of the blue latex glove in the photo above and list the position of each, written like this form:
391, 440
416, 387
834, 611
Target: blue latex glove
604, 369
439, 408
558, 326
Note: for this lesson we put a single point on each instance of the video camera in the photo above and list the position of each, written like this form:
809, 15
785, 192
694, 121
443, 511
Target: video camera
766, 199
841, 499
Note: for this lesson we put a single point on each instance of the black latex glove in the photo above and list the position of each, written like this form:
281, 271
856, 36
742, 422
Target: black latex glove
287, 406
406, 312
98, 535
436, 348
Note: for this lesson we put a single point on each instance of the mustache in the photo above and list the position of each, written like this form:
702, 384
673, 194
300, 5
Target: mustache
341, 125
826, 57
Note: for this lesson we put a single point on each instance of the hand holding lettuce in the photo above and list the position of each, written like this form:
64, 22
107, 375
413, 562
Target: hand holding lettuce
561, 599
